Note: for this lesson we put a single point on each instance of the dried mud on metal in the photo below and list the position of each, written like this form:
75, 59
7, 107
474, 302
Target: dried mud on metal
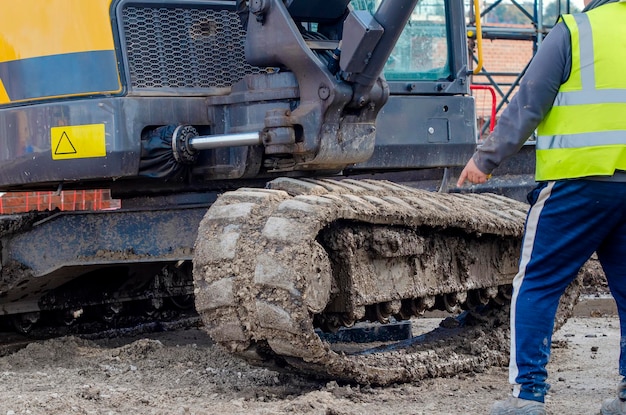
323, 253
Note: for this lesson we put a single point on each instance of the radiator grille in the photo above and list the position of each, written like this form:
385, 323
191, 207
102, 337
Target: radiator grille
184, 48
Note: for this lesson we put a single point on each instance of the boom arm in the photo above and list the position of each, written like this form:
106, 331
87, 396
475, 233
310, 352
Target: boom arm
334, 123
392, 16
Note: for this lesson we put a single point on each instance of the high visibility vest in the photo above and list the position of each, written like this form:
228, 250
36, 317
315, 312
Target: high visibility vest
584, 133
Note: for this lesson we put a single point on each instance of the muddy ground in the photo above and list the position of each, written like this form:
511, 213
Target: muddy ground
182, 372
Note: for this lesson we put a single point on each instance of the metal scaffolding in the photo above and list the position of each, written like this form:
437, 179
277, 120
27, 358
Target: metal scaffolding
531, 32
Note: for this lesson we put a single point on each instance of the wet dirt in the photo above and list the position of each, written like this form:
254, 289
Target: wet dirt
183, 372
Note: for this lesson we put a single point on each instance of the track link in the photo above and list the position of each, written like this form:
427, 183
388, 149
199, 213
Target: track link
266, 270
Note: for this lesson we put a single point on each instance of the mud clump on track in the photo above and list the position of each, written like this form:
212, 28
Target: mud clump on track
593, 278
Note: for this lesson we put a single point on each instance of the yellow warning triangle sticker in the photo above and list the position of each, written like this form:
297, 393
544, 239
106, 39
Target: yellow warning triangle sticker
78, 141
65, 146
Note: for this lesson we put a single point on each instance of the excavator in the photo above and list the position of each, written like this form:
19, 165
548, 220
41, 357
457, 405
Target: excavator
283, 166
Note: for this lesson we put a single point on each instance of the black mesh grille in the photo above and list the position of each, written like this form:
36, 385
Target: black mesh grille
184, 48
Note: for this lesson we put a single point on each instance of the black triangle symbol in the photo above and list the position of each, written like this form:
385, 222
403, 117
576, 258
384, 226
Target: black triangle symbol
66, 141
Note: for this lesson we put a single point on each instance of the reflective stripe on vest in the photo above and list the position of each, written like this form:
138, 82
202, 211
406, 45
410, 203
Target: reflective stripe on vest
584, 134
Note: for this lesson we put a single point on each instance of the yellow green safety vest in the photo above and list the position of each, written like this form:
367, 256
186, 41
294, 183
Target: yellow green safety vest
584, 133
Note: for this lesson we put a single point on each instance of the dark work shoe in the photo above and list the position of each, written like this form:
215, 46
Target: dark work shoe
517, 406
616, 406
613, 407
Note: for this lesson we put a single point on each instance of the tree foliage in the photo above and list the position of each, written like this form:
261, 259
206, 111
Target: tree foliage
509, 12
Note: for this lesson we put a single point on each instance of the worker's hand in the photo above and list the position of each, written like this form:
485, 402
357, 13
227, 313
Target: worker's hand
472, 174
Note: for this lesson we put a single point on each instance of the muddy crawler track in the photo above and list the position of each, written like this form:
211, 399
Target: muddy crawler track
261, 274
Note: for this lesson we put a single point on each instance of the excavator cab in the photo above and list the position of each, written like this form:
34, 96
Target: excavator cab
429, 122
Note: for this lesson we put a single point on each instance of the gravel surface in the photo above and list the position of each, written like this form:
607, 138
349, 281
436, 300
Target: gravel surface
182, 372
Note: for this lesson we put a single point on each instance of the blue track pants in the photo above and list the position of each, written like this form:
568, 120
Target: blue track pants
568, 221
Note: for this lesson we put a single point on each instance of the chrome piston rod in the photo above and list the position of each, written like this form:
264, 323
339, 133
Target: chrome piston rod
207, 142
186, 142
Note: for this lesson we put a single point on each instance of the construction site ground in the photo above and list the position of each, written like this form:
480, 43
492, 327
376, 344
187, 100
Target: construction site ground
183, 372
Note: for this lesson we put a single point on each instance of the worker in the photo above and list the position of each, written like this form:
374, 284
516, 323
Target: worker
574, 96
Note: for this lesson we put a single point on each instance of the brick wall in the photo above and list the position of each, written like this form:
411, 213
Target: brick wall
503, 55
15, 202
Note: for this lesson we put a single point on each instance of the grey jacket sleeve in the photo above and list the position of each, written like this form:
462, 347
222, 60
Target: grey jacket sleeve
549, 68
